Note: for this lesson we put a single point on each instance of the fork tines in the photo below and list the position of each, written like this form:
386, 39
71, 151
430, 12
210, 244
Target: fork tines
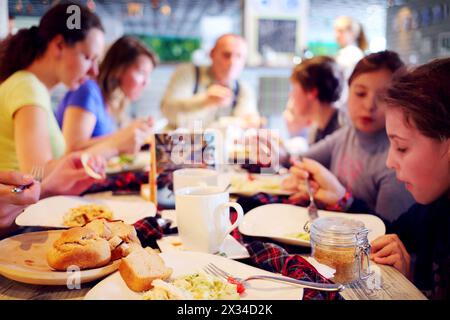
216, 271
37, 172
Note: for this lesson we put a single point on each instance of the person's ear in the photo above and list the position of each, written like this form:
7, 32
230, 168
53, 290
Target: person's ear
57, 45
313, 94
117, 76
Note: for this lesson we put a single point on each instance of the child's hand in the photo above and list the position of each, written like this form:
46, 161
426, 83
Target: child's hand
389, 249
324, 185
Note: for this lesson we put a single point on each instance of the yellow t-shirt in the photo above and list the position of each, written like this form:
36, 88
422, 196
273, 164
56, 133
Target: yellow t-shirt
22, 89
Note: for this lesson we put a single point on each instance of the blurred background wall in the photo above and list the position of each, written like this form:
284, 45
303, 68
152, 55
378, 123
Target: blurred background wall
184, 30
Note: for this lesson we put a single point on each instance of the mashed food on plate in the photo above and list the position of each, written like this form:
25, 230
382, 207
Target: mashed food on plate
301, 236
198, 286
255, 184
79, 216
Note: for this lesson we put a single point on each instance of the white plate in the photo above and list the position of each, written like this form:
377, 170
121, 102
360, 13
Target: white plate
50, 212
141, 162
278, 221
265, 183
23, 259
185, 263
231, 248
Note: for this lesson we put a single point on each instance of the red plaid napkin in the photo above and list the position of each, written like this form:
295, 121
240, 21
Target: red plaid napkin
273, 258
121, 182
148, 231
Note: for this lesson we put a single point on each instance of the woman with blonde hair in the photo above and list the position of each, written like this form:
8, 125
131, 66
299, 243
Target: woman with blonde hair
352, 41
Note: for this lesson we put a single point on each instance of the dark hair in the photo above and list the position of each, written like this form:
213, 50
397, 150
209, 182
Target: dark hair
321, 73
388, 60
121, 55
19, 51
423, 96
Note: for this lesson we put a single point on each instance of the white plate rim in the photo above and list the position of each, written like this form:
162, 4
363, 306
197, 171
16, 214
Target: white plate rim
290, 240
30, 212
243, 192
55, 278
229, 238
183, 256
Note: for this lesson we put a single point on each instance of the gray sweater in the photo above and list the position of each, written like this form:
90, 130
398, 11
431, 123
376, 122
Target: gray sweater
358, 160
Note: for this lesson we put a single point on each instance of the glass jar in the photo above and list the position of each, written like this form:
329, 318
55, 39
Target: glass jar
341, 244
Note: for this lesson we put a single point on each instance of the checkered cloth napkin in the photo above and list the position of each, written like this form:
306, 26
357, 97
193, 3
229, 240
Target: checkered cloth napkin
124, 182
273, 258
148, 231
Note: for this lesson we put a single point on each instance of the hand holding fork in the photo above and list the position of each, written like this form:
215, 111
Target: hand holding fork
37, 172
312, 208
327, 188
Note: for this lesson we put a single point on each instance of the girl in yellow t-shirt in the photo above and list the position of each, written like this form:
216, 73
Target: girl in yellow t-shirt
32, 62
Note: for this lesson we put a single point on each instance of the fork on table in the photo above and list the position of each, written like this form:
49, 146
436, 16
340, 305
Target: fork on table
214, 270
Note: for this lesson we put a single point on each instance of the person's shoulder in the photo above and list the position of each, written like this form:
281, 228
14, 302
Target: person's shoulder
23, 88
183, 73
352, 50
245, 88
24, 80
185, 68
23, 75
89, 87
24, 85
88, 96
342, 133
337, 139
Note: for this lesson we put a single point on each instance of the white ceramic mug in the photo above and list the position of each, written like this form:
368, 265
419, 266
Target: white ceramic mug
194, 177
203, 217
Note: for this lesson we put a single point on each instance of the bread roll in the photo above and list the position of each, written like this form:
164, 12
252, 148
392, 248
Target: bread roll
141, 267
101, 228
124, 239
79, 247
124, 231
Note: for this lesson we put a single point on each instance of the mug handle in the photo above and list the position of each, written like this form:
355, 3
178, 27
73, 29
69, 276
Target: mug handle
240, 215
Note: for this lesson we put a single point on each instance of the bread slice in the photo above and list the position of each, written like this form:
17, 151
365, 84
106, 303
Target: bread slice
79, 247
141, 267
121, 249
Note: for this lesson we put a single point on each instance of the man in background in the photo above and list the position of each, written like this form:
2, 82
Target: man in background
206, 93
